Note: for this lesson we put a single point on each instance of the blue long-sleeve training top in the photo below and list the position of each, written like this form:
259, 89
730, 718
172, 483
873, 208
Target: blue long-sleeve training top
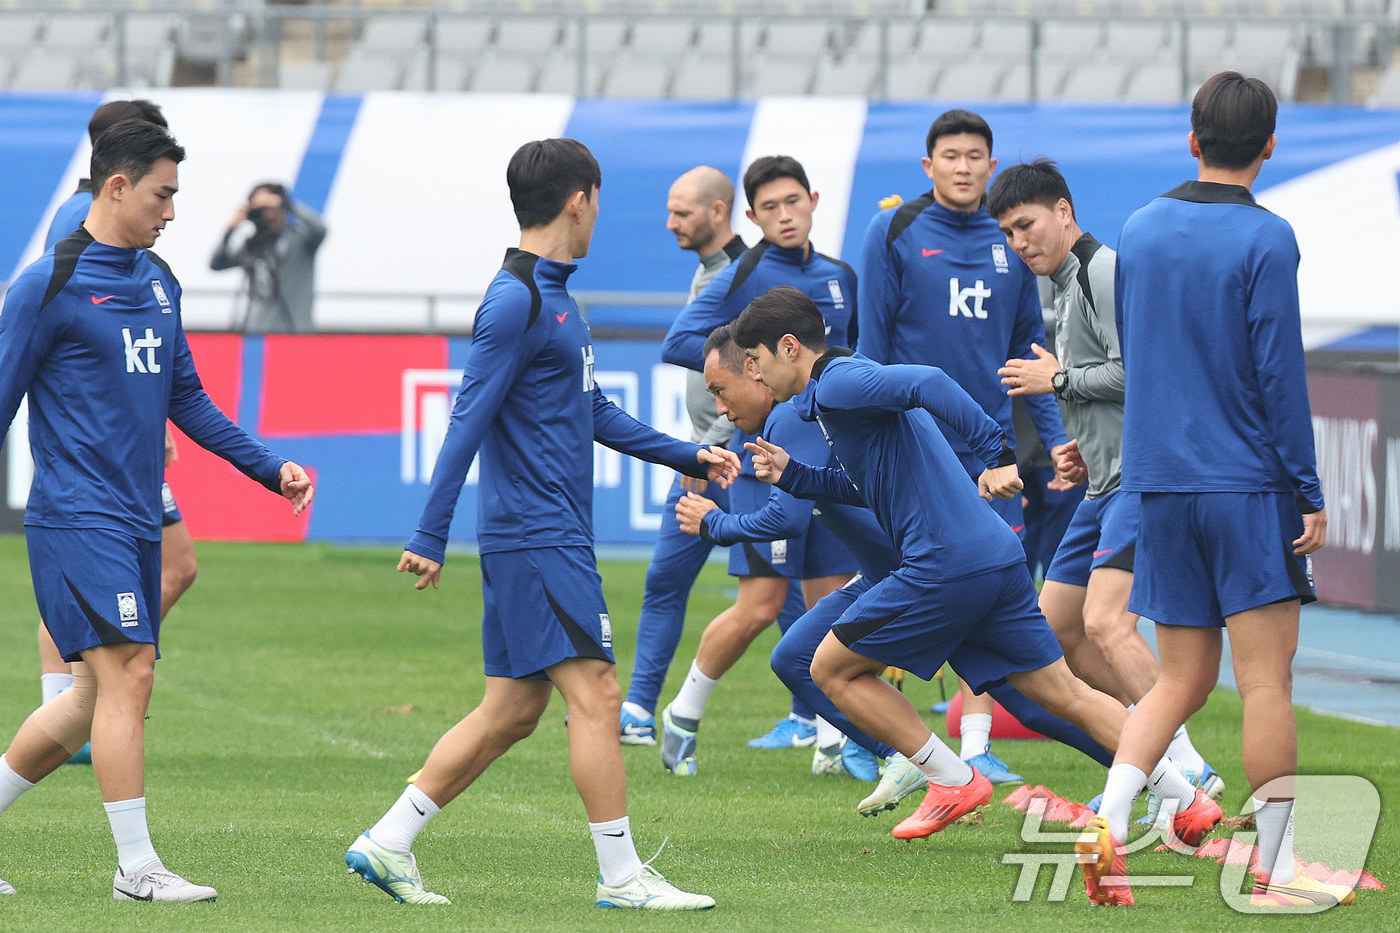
879, 421
828, 282
529, 404
93, 334
948, 292
1217, 392
70, 214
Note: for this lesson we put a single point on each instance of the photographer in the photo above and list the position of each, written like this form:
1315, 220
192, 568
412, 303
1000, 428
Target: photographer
279, 257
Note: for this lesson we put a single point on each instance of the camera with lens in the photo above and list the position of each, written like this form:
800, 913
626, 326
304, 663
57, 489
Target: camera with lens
258, 215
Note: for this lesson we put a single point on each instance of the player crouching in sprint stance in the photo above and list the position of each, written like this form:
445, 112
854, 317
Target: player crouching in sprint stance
92, 332
529, 404
961, 592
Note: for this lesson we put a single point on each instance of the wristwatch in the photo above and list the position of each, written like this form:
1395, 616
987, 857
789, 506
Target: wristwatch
1059, 382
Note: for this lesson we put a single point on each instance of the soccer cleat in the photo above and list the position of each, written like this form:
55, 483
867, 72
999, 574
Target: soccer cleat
859, 762
994, 769
1153, 817
942, 805
637, 731
1103, 861
788, 732
648, 890
1209, 781
6, 887
826, 760
155, 882
82, 756
394, 873
1095, 803
678, 744
1191, 824
900, 778
941, 707
1302, 891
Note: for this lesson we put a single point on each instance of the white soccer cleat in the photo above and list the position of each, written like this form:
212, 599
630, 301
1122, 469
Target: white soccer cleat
394, 873
827, 761
648, 890
6, 887
155, 882
900, 778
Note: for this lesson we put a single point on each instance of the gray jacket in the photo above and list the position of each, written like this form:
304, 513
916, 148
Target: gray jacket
1086, 343
709, 428
281, 279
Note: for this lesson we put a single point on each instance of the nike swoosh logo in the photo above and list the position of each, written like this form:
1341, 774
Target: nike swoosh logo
615, 835
420, 812
931, 252
1018, 528
98, 301
630, 729
1098, 554
560, 317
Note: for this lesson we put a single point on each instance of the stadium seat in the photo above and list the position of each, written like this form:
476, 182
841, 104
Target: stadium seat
637, 79
951, 39
1206, 42
716, 37
359, 73
604, 36
462, 35
1005, 40
77, 33
450, 73
662, 38
1154, 84
1071, 41
704, 77
392, 36
1016, 85
530, 35
780, 77
496, 74
971, 81
911, 78
44, 70
849, 77
559, 75
305, 76
1387, 93
18, 33
1263, 42
902, 36
1094, 81
796, 40
1137, 42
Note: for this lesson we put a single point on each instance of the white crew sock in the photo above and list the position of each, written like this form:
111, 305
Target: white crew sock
1120, 792
11, 785
940, 764
408, 816
51, 685
976, 734
695, 693
1184, 753
636, 710
617, 855
132, 836
1274, 821
1174, 790
827, 734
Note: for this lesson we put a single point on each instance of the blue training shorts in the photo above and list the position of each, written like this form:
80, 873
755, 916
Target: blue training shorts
824, 555
987, 626
781, 558
542, 606
1103, 533
1205, 556
170, 511
95, 587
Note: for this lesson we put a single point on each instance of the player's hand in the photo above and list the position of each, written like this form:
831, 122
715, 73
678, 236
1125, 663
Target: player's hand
1070, 469
1314, 533
239, 216
427, 571
769, 460
172, 453
296, 485
691, 511
694, 484
1030, 377
1001, 482
723, 465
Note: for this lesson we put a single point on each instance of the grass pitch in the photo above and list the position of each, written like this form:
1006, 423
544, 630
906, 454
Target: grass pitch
301, 684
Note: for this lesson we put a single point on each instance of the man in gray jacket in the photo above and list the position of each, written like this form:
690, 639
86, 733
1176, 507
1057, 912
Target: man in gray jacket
279, 258
1085, 597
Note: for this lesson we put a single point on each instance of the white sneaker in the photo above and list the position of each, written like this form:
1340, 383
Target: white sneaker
394, 873
155, 882
6, 887
900, 778
647, 890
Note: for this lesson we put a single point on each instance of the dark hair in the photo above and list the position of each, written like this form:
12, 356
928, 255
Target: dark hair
1036, 182
770, 168
115, 111
953, 122
544, 174
1233, 117
730, 353
777, 312
130, 148
271, 187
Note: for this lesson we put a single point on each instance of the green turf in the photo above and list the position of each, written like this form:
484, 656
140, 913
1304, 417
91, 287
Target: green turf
301, 684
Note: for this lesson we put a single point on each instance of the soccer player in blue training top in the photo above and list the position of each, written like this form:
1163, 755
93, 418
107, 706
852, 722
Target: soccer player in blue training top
528, 402
1218, 440
961, 591
772, 539
178, 565
91, 331
781, 202
1085, 596
938, 287
698, 208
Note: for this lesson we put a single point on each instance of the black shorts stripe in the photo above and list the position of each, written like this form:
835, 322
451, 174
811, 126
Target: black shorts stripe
758, 567
1124, 559
851, 632
107, 633
584, 645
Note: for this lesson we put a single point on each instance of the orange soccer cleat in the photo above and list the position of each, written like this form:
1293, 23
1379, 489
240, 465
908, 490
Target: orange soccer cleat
1191, 824
942, 805
1104, 864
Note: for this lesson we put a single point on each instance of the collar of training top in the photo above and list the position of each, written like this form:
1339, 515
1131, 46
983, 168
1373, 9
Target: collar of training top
1210, 192
832, 353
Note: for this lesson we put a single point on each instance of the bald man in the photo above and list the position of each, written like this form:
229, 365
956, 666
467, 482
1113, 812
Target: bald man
699, 206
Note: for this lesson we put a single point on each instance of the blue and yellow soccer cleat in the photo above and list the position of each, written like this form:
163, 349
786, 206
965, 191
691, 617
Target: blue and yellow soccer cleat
899, 778
678, 742
394, 873
648, 890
